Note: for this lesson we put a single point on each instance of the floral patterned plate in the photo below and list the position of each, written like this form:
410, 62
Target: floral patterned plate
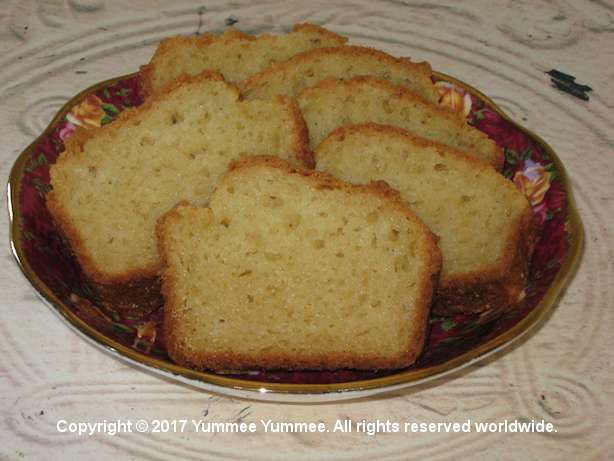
134, 335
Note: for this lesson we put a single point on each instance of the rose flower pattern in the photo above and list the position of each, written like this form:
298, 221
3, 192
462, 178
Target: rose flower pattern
454, 97
88, 114
533, 181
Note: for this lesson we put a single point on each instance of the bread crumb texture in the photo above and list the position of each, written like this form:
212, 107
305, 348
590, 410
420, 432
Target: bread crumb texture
334, 102
483, 222
291, 268
112, 184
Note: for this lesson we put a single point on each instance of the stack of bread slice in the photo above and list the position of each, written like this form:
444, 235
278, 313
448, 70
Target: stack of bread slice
336, 102
482, 220
266, 262
112, 184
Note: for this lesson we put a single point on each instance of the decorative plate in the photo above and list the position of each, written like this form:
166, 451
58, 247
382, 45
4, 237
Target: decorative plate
133, 336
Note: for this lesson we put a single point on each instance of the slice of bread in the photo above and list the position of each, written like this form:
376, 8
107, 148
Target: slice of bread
234, 54
112, 184
306, 69
291, 268
484, 223
333, 103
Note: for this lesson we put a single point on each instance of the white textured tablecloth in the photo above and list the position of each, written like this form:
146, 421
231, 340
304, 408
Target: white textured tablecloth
563, 373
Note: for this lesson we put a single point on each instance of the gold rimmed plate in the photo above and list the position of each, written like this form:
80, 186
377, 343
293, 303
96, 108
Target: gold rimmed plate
454, 342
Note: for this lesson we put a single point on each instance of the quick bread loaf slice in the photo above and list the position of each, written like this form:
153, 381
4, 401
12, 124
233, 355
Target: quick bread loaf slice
306, 69
483, 222
234, 54
291, 268
112, 184
334, 102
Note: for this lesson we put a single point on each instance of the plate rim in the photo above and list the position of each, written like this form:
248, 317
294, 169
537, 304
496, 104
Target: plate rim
287, 391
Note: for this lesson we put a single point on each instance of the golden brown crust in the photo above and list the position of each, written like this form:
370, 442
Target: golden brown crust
116, 288
316, 29
146, 86
354, 52
403, 94
143, 294
232, 35
302, 152
492, 288
138, 289
372, 127
497, 287
166, 45
237, 362
203, 360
